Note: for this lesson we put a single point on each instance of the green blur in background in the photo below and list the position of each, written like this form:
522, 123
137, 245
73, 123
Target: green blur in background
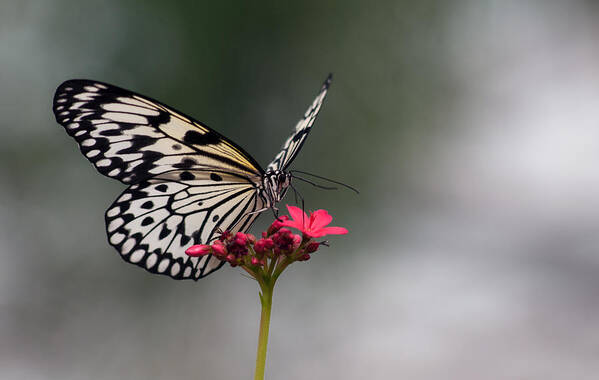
470, 128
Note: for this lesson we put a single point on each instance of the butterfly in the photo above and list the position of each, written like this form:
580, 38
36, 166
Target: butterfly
186, 181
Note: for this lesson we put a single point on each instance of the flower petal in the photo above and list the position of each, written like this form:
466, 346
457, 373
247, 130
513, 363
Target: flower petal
293, 224
331, 231
320, 218
298, 215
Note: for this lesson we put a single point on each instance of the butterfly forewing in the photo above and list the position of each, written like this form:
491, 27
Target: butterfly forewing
293, 144
153, 222
130, 137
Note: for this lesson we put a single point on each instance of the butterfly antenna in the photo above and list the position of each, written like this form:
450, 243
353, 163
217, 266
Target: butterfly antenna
314, 184
294, 193
297, 193
324, 178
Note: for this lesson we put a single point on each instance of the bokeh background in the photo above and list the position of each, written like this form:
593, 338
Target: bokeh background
470, 127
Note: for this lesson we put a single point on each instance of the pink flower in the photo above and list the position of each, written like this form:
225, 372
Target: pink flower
313, 226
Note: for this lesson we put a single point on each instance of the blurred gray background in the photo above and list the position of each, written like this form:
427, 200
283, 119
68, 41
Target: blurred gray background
470, 127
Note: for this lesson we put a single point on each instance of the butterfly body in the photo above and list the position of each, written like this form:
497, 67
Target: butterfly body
275, 184
186, 181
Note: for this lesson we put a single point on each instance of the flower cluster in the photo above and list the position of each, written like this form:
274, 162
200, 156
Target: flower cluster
278, 246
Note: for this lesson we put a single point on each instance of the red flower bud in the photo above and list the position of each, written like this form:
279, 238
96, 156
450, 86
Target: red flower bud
241, 238
225, 235
231, 258
256, 261
277, 224
304, 257
218, 249
198, 250
251, 238
283, 240
262, 245
297, 240
312, 247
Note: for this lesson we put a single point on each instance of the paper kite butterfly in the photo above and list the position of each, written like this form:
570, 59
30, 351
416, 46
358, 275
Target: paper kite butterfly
186, 181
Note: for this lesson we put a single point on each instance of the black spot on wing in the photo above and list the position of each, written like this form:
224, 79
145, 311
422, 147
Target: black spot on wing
215, 177
111, 132
162, 188
164, 232
184, 240
185, 164
197, 138
186, 176
147, 205
162, 118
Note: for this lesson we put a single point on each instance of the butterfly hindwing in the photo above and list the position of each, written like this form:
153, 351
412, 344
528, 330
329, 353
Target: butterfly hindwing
293, 144
130, 137
153, 222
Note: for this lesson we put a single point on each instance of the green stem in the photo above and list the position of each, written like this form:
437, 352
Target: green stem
266, 301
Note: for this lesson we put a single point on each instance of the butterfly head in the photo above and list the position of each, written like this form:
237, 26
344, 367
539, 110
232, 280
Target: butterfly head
275, 184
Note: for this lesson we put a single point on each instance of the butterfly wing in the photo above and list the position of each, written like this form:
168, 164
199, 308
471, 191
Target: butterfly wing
153, 222
294, 143
187, 181
130, 137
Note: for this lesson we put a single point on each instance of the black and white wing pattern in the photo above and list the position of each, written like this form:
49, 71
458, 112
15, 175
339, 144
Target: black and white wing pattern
154, 221
130, 137
292, 146
186, 180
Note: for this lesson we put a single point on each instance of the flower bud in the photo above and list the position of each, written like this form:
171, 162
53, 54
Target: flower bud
198, 250
263, 244
304, 257
277, 224
240, 238
297, 240
219, 250
283, 240
312, 247
256, 261
251, 238
225, 235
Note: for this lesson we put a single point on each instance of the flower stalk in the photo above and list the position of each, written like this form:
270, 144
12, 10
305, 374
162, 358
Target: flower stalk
266, 302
